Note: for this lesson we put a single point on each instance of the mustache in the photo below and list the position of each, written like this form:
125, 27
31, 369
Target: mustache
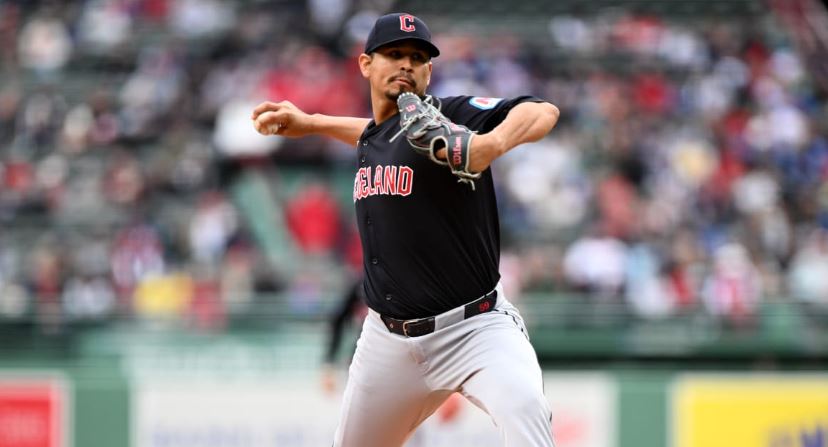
403, 77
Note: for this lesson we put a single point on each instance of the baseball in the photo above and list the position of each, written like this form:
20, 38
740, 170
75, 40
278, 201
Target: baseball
271, 128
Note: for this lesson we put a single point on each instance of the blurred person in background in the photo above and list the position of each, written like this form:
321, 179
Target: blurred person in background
809, 270
595, 264
137, 252
44, 44
15, 299
733, 289
213, 225
312, 216
47, 276
350, 309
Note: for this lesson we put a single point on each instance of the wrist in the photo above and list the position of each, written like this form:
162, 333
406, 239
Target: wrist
492, 145
484, 150
313, 122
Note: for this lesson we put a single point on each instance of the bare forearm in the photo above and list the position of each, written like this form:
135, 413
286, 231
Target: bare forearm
285, 119
526, 122
343, 128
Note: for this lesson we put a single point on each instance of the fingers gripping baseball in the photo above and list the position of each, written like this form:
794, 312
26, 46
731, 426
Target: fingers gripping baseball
264, 117
282, 118
268, 123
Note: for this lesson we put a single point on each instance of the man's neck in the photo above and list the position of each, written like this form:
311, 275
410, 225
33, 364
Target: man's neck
383, 109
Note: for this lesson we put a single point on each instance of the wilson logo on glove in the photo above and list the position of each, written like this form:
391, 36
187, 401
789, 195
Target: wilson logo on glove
457, 152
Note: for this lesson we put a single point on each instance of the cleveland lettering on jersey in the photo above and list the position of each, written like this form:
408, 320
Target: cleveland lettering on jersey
383, 180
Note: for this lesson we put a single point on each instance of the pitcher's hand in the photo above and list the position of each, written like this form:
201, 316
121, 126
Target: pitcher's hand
281, 118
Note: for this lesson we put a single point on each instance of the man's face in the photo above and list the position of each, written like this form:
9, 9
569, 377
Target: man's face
397, 67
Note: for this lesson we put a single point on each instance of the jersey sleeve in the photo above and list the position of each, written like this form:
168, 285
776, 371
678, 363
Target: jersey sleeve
480, 113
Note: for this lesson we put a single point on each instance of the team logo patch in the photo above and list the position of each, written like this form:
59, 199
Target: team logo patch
484, 103
407, 23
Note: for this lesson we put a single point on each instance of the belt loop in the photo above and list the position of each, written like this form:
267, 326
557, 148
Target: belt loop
501, 296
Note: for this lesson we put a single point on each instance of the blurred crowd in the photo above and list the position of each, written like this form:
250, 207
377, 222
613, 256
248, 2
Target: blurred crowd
688, 173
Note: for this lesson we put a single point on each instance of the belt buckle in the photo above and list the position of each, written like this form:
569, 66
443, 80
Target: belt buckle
405, 327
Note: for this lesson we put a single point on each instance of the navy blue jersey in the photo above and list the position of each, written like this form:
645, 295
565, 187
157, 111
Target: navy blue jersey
429, 243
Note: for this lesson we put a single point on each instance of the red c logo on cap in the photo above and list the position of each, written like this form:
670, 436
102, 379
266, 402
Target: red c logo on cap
407, 23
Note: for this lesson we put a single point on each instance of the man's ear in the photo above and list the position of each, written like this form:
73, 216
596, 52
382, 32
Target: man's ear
364, 64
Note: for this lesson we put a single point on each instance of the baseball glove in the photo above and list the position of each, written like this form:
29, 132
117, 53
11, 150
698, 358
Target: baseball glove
427, 131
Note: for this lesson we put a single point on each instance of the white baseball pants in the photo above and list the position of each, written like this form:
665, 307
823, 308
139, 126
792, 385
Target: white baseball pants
396, 382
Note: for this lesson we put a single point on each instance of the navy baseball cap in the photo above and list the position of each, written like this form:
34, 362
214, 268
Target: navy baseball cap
396, 27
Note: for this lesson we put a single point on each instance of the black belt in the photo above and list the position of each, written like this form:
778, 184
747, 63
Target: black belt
422, 326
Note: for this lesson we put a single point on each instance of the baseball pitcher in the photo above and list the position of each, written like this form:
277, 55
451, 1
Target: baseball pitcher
438, 320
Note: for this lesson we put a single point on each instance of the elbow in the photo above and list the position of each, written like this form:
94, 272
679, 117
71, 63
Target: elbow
545, 120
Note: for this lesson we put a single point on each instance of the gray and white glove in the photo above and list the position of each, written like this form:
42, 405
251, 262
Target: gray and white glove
427, 131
